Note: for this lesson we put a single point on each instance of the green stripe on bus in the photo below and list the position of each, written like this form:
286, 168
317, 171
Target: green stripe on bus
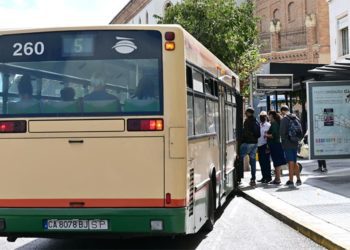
121, 220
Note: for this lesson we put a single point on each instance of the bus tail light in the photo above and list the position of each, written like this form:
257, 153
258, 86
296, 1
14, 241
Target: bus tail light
13, 126
169, 46
169, 36
145, 125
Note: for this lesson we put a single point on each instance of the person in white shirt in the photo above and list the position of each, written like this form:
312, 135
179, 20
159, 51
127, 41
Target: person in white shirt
263, 149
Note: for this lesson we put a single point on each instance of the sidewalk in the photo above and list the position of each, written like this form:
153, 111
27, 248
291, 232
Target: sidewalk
319, 209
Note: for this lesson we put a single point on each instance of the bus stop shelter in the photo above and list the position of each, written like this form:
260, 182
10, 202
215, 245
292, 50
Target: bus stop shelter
339, 70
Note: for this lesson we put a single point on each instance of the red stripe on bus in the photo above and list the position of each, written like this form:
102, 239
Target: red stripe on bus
177, 203
93, 203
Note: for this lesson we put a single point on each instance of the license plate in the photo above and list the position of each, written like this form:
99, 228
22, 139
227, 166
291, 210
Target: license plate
76, 224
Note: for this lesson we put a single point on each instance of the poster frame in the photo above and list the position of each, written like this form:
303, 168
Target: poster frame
310, 115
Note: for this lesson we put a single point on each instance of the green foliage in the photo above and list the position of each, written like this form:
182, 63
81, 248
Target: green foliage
226, 29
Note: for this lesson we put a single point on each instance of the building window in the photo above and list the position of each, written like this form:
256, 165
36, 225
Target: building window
344, 33
147, 17
291, 12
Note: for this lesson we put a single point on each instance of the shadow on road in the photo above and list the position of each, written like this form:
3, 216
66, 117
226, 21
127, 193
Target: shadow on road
166, 242
179, 242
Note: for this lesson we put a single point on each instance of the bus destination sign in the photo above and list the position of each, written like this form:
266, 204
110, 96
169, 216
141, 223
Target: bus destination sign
274, 82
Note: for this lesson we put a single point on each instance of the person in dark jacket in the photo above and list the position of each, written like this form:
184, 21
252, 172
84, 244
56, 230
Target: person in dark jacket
290, 147
249, 143
274, 142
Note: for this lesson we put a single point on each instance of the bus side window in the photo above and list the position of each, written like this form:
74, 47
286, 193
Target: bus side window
190, 125
210, 113
199, 115
234, 119
209, 86
190, 114
197, 81
229, 123
189, 80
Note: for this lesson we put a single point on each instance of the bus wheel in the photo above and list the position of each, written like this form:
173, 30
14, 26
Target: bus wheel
209, 225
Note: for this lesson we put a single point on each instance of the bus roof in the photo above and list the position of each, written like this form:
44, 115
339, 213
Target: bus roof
197, 54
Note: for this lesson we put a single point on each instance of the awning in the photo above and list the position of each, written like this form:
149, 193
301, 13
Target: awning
339, 70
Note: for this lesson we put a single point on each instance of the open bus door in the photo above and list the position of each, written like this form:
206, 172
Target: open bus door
239, 130
222, 136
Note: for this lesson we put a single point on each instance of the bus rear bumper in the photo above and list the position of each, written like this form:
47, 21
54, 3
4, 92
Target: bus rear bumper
32, 222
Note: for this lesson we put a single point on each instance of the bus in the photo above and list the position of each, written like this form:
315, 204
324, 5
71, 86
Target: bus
119, 129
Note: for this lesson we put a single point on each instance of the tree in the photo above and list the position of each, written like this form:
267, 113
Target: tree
225, 28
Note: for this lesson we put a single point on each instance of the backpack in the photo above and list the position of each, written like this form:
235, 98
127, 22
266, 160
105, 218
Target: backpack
295, 131
256, 129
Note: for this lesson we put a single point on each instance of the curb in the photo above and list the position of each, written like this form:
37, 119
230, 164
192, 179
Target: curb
303, 229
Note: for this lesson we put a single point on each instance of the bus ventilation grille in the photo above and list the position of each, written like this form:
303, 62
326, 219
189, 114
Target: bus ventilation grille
191, 201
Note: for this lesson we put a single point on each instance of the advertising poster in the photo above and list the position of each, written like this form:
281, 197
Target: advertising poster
329, 119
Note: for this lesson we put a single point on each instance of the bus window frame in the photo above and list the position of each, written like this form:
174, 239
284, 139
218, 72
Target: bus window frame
38, 75
233, 93
194, 93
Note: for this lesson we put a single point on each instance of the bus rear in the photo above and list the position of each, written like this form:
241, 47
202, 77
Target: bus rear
83, 135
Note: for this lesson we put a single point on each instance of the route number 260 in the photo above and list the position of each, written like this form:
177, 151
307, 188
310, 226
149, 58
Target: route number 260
28, 49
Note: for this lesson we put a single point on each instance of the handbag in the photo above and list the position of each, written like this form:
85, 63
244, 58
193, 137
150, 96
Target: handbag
304, 150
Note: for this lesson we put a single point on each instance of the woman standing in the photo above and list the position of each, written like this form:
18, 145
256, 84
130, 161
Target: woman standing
274, 142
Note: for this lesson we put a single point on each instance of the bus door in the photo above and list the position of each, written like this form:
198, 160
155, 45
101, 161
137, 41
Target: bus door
222, 134
239, 128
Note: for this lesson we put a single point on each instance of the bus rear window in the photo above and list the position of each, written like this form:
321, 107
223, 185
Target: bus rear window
104, 80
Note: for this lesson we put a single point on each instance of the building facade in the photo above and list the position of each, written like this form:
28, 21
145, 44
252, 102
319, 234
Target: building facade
294, 31
142, 11
339, 23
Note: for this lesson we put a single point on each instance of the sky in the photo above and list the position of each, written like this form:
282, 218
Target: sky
55, 13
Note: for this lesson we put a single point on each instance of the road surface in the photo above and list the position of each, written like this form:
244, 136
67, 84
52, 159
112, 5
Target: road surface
241, 226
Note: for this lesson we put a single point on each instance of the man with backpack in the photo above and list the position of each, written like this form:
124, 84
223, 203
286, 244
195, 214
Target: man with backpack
249, 140
291, 133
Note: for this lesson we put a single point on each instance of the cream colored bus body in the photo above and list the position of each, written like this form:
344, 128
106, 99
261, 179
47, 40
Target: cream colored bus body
114, 167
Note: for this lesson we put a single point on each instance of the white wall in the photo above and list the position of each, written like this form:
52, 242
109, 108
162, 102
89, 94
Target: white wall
337, 10
154, 7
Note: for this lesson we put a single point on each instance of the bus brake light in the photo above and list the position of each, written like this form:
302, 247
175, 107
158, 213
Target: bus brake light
13, 127
145, 125
169, 36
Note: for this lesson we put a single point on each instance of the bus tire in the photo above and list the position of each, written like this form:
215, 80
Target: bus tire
209, 225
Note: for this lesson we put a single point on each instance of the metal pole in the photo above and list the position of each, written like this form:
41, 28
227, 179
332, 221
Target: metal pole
268, 103
251, 91
276, 101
